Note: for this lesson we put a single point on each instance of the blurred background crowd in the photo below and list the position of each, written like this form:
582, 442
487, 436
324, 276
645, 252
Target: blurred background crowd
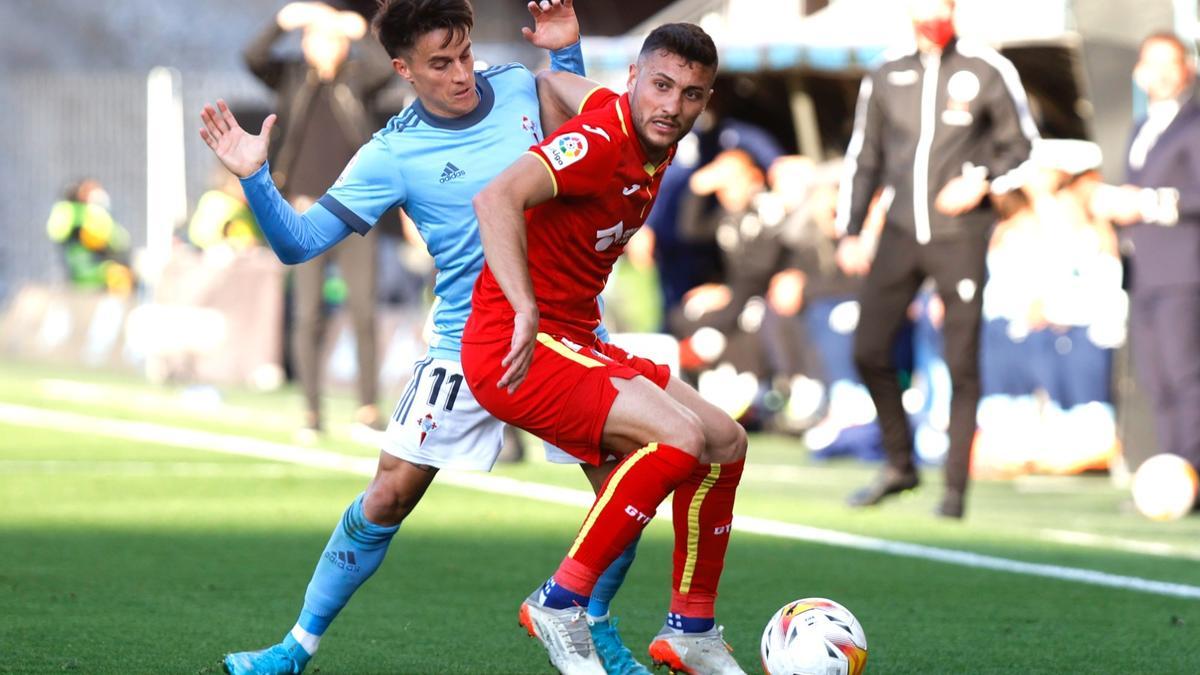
126, 246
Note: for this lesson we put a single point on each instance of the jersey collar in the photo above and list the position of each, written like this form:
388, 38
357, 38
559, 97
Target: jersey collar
487, 99
625, 115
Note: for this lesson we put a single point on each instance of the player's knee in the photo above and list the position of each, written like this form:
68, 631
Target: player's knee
388, 502
728, 442
686, 433
741, 443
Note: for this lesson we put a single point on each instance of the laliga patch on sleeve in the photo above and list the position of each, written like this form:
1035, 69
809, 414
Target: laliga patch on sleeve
565, 150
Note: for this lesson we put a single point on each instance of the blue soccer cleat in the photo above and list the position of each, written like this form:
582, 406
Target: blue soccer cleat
287, 657
617, 658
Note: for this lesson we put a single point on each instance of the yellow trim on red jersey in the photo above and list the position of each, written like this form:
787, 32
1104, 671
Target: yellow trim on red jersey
566, 351
585, 99
621, 116
553, 178
693, 521
605, 496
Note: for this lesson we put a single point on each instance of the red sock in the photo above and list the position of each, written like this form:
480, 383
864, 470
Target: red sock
703, 517
623, 508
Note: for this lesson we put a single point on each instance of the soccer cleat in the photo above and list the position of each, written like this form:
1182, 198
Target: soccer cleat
694, 653
889, 482
287, 657
951, 505
565, 635
615, 656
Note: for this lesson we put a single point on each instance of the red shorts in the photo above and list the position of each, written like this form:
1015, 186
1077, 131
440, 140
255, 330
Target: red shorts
567, 393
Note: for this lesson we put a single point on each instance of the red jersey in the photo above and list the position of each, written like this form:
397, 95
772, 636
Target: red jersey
604, 188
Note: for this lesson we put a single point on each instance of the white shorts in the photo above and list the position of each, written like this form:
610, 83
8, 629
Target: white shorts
439, 423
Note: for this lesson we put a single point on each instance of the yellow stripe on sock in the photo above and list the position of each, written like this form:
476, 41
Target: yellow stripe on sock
693, 537
566, 351
605, 496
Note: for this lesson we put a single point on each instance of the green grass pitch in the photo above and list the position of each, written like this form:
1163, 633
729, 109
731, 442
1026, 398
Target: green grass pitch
139, 557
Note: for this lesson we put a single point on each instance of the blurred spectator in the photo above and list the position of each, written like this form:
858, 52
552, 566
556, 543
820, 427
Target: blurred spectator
323, 100
934, 126
1159, 210
688, 257
720, 321
222, 217
633, 298
814, 290
94, 246
1054, 310
406, 270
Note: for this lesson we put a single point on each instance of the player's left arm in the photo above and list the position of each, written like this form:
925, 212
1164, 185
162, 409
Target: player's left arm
500, 208
562, 96
1012, 134
1013, 128
555, 28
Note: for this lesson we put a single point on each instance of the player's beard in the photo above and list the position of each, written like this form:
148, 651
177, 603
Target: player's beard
657, 139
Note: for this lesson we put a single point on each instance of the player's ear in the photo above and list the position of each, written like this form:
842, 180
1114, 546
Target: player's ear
401, 67
632, 76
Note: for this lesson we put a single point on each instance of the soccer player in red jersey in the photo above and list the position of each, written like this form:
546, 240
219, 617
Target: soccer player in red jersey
553, 225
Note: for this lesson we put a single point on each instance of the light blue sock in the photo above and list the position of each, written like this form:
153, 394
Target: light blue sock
352, 555
610, 582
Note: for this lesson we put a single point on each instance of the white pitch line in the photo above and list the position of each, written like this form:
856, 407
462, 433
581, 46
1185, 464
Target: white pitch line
238, 445
1119, 543
59, 467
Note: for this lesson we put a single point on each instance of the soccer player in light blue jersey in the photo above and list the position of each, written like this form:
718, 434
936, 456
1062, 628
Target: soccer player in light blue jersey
431, 159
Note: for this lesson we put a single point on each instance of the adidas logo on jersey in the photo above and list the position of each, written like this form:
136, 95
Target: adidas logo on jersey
450, 173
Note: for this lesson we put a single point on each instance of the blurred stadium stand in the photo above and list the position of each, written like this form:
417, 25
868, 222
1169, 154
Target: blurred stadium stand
73, 87
70, 60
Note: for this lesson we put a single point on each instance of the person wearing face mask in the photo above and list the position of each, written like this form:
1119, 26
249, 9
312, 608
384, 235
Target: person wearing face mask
324, 100
1158, 212
933, 128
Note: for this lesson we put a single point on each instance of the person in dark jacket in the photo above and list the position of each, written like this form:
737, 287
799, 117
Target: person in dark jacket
1159, 211
324, 101
932, 129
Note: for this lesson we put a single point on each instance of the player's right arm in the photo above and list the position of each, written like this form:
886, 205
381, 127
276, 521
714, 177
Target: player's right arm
864, 160
863, 171
369, 186
500, 208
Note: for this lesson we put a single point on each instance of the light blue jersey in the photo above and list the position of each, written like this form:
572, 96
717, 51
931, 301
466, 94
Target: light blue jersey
432, 167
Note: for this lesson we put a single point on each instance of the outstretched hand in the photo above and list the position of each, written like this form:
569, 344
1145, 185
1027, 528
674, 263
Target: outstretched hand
242, 153
554, 24
520, 356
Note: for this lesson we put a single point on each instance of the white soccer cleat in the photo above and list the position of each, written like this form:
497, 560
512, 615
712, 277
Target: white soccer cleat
694, 653
565, 635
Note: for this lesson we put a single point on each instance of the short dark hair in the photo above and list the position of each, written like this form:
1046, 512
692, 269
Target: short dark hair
398, 24
684, 39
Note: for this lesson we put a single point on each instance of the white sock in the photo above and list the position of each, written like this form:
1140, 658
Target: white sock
306, 639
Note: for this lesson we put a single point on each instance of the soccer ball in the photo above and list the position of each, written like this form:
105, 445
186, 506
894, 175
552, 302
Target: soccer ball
1164, 487
814, 636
